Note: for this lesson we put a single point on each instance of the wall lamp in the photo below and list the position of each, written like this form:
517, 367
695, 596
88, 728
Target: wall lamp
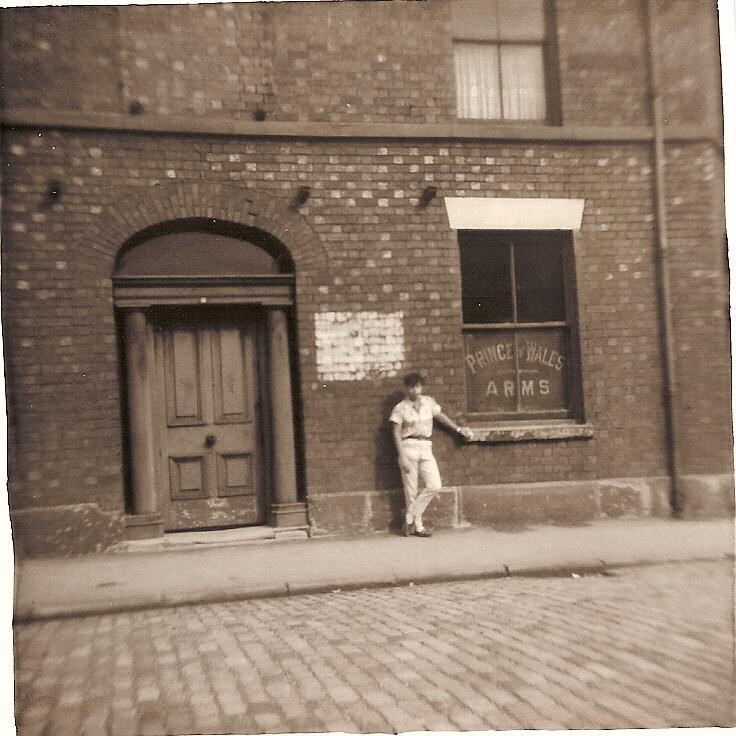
300, 197
428, 194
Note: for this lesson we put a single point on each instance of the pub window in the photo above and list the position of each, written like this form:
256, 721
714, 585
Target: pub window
502, 59
518, 325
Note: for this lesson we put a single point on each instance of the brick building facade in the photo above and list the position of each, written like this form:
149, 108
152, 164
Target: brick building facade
143, 146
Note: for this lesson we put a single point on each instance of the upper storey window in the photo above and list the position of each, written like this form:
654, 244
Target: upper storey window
500, 51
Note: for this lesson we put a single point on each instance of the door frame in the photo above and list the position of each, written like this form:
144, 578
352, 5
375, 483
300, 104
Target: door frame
141, 292
135, 298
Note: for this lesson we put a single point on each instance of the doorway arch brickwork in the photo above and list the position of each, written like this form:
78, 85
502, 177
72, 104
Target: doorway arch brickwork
123, 215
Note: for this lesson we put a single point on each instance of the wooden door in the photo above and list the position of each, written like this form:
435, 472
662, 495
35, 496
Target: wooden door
207, 406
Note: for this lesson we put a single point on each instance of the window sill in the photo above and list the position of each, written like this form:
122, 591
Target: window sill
531, 432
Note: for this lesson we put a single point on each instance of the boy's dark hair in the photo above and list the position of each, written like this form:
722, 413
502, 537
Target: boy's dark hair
412, 379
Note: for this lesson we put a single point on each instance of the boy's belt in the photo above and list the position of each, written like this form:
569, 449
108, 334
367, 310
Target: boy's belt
417, 437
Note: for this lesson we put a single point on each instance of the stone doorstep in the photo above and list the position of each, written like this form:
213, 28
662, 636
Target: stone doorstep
214, 538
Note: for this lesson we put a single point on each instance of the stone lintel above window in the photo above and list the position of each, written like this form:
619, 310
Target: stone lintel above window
514, 213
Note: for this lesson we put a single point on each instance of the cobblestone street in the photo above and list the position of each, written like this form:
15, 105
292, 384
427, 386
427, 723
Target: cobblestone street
646, 647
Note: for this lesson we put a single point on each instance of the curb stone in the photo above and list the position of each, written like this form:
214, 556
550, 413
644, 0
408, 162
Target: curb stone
287, 589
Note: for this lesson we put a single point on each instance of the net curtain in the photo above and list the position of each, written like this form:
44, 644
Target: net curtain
500, 81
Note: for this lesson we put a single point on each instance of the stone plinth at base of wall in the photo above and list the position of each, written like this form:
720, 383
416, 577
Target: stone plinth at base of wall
65, 531
375, 511
566, 502
706, 495
559, 502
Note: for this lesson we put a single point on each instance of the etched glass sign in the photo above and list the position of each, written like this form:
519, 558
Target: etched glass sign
502, 365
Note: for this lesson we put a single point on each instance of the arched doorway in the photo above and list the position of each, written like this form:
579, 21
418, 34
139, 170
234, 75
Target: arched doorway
206, 309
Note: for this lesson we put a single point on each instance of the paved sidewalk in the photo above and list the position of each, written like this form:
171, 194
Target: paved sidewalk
164, 577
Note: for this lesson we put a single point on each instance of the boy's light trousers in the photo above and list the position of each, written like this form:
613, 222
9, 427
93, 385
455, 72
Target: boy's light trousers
422, 467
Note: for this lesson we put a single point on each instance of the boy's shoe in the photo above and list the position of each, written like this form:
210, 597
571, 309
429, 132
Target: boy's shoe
422, 533
406, 529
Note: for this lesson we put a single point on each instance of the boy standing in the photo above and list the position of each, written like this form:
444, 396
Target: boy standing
412, 420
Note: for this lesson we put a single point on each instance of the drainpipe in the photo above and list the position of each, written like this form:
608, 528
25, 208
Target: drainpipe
662, 256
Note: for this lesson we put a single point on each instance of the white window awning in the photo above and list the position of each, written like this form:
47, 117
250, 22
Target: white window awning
507, 213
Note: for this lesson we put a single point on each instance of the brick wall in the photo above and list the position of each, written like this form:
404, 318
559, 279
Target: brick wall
602, 62
61, 58
700, 306
689, 61
353, 62
387, 265
197, 60
59, 336
341, 62
386, 256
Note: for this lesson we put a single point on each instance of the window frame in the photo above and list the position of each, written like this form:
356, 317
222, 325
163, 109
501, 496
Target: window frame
574, 413
550, 70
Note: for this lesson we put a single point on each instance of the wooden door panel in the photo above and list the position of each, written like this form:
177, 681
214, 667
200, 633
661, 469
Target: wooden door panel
187, 478
183, 349
235, 474
231, 392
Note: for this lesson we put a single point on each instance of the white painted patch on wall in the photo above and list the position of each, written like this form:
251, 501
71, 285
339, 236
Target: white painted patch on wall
352, 346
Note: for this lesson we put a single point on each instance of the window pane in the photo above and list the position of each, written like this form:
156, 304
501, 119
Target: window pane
486, 280
491, 375
543, 369
489, 370
521, 20
477, 81
522, 75
476, 19
540, 294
